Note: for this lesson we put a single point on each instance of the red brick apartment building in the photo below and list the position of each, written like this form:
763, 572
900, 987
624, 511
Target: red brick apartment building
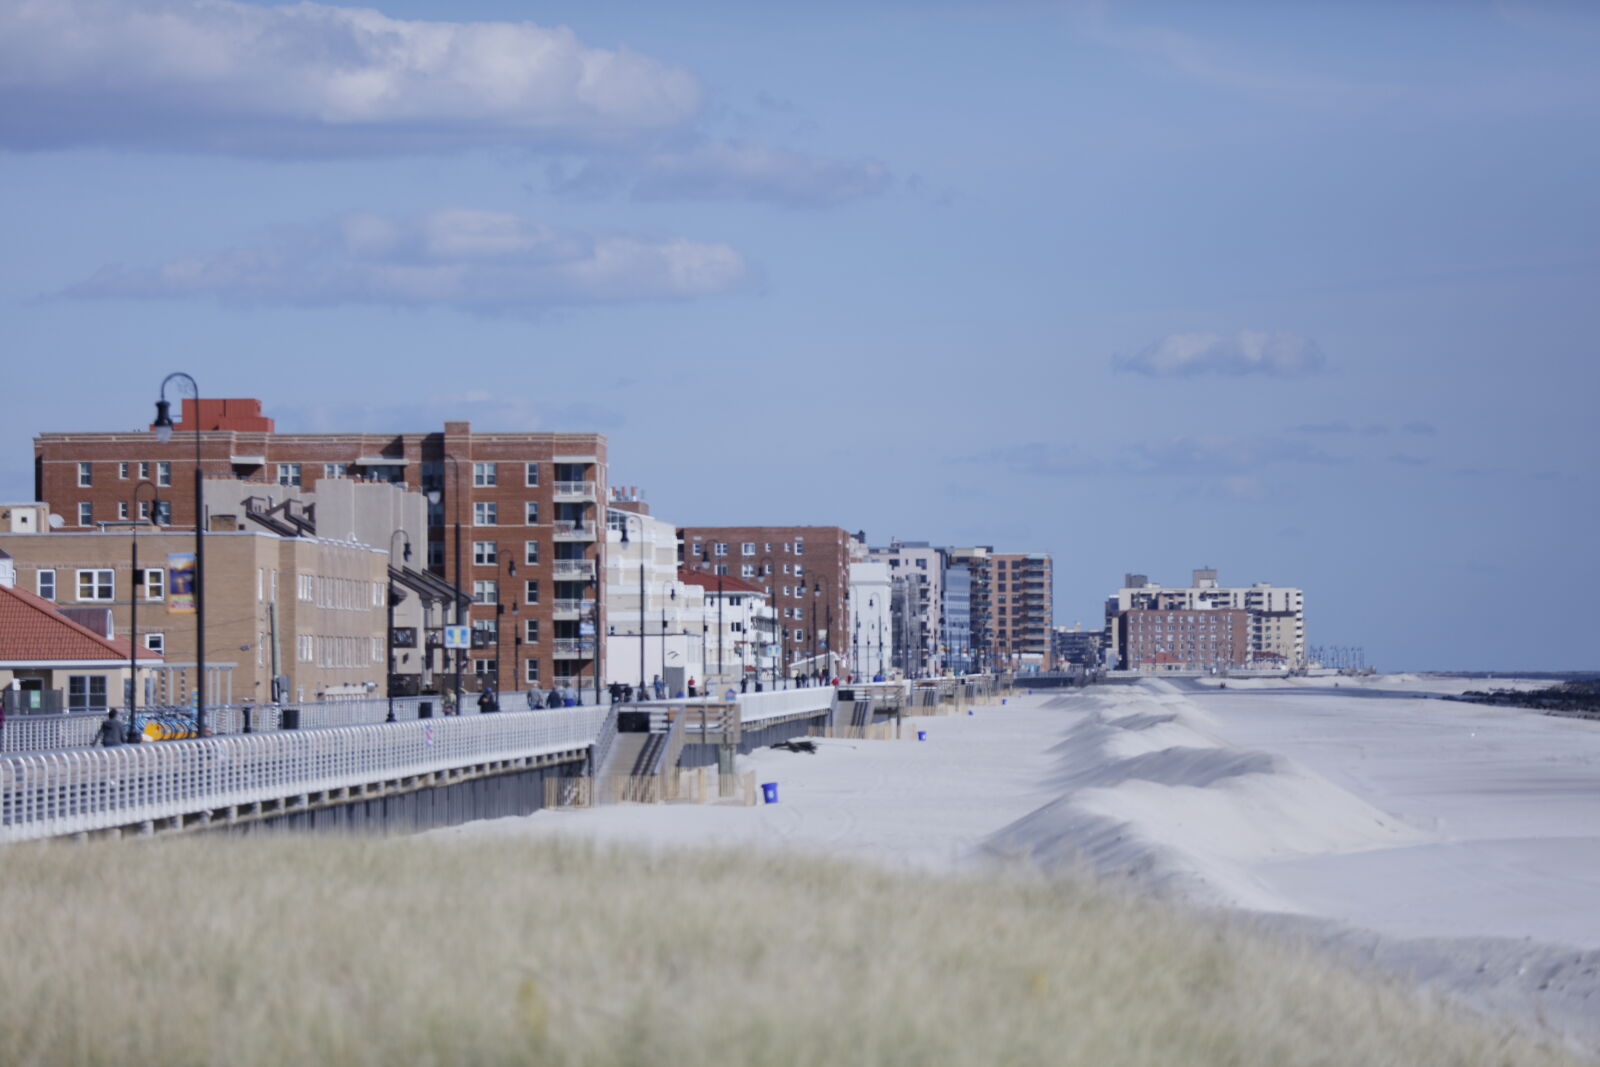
805, 571
1184, 640
519, 509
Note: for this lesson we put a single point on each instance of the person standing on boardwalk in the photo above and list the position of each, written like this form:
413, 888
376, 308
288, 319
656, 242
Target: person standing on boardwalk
111, 730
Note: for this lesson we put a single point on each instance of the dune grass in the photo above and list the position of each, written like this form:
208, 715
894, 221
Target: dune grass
324, 950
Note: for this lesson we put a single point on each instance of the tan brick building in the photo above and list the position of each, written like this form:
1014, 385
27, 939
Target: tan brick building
308, 608
517, 509
805, 571
1021, 612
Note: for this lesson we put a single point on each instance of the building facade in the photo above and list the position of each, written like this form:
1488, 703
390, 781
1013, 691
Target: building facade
804, 570
1200, 639
919, 621
514, 518
1277, 631
310, 609
1021, 609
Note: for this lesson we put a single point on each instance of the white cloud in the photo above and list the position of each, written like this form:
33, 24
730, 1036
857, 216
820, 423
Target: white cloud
471, 260
216, 75
730, 170
1280, 355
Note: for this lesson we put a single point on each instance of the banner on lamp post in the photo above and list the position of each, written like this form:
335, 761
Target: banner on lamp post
180, 583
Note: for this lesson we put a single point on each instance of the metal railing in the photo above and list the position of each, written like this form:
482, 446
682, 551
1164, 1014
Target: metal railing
572, 530
755, 707
568, 606
569, 569
573, 647
49, 794
32, 733
583, 490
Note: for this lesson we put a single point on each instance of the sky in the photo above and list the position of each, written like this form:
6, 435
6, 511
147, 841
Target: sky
1302, 292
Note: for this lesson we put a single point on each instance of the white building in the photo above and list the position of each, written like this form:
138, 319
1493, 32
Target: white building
665, 639
871, 628
740, 642
921, 567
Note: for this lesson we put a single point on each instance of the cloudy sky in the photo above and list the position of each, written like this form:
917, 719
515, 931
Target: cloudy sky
1304, 292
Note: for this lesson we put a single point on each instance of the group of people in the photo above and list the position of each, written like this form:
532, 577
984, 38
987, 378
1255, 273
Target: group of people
623, 693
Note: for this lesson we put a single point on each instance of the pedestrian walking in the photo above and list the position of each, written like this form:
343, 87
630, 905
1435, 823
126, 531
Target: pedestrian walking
554, 699
487, 701
533, 700
660, 688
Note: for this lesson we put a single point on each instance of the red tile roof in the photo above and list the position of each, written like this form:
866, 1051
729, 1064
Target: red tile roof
730, 584
31, 629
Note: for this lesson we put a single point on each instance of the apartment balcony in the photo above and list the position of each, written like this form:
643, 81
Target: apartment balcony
572, 570
569, 681
574, 648
572, 530
573, 492
565, 608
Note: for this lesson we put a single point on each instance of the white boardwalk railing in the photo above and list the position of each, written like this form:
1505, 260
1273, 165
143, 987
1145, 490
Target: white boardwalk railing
781, 703
49, 794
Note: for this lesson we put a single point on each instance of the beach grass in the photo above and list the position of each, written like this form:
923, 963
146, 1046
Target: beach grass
279, 949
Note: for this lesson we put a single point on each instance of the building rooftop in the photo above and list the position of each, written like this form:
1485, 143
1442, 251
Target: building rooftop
32, 630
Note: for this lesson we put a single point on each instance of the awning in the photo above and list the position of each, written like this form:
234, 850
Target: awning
248, 461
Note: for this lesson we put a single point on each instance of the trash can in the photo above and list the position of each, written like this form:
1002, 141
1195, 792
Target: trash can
969, 711
769, 792
424, 709
289, 719
922, 735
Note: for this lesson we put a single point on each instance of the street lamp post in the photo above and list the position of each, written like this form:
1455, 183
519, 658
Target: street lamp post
770, 572
133, 610
388, 684
455, 507
163, 428
625, 517
816, 643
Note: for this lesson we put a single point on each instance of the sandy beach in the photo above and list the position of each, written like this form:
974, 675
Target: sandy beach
1454, 843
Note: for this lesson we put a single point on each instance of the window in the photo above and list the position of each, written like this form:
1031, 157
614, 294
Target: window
85, 475
155, 642
721, 568
484, 668
97, 585
530, 591
436, 555
122, 470
530, 474
531, 513
288, 474
484, 553
748, 548
86, 692
85, 513
122, 509
530, 552
335, 470
46, 584
485, 474
799, 569
747, 571
530, 631
485, 513
787, 590
720, 548
304, 588
163, 473
530, 671
485, 592
152, 583
799, 548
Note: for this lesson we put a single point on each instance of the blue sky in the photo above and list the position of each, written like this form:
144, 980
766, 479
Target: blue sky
1303, 292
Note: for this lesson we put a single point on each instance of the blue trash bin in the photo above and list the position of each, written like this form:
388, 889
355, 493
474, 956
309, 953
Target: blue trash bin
922, 735
969, 711
769, 792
